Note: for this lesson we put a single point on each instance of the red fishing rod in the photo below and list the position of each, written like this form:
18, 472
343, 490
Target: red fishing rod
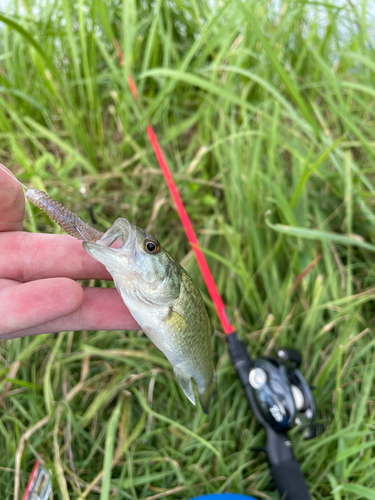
277, 393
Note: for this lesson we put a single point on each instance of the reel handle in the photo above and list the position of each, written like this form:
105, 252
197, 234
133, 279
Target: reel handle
290, 355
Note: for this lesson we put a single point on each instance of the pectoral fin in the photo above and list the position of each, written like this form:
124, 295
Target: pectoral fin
185, 383
176, 321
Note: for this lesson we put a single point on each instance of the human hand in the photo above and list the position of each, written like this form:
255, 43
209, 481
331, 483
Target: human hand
38, 293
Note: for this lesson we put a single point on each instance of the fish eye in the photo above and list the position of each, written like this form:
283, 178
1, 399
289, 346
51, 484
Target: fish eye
151, 245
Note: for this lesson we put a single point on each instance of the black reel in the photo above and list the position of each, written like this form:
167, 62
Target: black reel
281, 393
280, 399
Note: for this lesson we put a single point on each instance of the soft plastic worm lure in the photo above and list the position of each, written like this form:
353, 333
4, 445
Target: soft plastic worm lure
67, 220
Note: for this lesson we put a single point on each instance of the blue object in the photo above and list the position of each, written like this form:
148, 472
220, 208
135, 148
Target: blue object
224, 496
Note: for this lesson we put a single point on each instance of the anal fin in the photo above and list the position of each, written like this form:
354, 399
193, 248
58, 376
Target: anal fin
185, 383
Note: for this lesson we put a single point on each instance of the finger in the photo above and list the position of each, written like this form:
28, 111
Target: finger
8, 283
32, 256
36, 303
12, 203
101, 309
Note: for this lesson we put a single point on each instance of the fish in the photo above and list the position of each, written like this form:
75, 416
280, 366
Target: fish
156, 289
164, 301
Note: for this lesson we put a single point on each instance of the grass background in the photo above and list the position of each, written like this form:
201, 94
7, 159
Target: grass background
267, 118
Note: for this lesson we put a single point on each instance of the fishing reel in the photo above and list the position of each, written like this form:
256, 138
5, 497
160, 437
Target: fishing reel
281, 393
280, 399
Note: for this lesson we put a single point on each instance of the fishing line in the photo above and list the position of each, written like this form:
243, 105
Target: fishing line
25, 187
13, 177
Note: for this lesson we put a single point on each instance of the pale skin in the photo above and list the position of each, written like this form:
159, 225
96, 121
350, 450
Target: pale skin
38, 291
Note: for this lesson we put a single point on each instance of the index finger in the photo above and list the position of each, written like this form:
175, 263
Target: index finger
12, 202
33, 256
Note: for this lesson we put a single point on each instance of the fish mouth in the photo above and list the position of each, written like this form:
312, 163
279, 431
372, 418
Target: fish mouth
119, 240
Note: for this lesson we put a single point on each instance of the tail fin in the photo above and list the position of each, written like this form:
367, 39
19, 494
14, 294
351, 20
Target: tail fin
208, 393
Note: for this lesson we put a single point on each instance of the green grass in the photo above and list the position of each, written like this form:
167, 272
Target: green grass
268, 124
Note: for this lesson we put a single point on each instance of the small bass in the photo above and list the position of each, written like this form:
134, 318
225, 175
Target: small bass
156, 289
